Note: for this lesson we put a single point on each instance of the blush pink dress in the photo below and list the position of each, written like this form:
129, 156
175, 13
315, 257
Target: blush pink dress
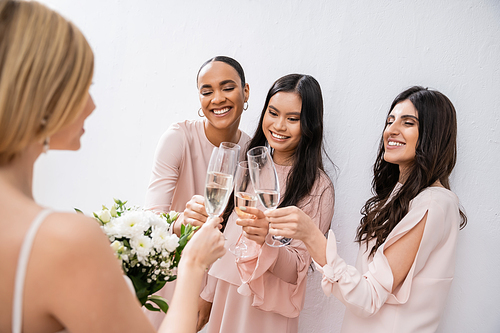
417, 305
266, 293
179, 171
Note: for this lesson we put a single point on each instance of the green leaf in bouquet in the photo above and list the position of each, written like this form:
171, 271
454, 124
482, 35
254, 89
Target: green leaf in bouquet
141, 287
158, 300
158, 285
78, 210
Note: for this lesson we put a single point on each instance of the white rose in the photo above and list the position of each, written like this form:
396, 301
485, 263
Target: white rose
113, 211
171, 243
104, 216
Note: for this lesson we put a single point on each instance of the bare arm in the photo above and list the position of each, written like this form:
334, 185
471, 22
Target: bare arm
202, 250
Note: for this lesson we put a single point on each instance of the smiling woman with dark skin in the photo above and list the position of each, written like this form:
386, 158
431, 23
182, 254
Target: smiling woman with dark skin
183, 152
409, 227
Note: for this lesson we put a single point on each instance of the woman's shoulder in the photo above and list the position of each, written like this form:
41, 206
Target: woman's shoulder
71, 232
183, 133
435, 195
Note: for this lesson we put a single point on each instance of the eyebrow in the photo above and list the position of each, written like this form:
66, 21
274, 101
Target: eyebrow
404, 116
205, 86
288, 113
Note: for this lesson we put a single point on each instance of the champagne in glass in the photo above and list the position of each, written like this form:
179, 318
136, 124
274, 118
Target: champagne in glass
217, 192
219, 181
244, 196
265, 182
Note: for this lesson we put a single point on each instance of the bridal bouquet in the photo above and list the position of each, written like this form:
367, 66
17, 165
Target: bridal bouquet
147, 247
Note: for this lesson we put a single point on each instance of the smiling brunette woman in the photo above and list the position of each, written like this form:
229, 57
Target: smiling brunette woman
265, 292
58, 270
182, 156
409, 228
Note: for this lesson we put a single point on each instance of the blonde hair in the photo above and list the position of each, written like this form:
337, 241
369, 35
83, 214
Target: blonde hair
46, 67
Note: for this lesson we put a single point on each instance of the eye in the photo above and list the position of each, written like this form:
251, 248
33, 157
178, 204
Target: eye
272, 113
205, 92
389, 122
294, 119
230, 88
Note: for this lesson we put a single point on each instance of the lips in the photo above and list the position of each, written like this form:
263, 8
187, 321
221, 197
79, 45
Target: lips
277, 136
392, 143
222, 111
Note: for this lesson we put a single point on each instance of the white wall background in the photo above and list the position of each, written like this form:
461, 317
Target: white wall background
363, 53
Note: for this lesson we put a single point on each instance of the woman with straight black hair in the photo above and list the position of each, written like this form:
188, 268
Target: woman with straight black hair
265, 292
408, 230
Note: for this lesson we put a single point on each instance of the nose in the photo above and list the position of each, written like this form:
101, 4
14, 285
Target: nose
280, 124
218, 97
392, 129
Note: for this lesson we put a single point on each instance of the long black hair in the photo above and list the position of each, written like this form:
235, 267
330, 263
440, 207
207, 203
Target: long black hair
307, 159
435, 158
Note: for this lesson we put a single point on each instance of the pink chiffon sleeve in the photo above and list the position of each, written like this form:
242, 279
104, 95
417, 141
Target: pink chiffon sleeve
166, 168
365, 293
276, 278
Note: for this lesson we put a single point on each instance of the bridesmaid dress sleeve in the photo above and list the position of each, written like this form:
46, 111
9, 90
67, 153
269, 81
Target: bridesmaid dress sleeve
364, 294
166, 168
208, 291
276, 278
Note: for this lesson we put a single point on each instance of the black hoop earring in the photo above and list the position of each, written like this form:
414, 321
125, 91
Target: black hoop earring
200, 115
245, 107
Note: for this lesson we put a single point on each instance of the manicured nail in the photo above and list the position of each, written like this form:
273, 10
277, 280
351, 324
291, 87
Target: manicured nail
242, 208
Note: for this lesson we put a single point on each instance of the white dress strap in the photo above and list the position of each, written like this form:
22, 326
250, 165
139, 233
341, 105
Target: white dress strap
22, 265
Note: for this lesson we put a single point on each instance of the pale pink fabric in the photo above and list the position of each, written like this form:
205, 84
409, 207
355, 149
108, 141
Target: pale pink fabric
417, 305
179, 171
266, 293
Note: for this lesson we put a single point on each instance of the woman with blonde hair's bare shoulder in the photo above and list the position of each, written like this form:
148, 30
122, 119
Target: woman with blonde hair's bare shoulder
51, 279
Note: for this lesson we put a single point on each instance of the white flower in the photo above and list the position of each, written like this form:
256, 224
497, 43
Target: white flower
113, 211
142, 246
172, 243
104, 215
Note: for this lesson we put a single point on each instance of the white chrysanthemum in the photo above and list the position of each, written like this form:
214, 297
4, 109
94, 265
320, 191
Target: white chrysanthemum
132, 224
141, 246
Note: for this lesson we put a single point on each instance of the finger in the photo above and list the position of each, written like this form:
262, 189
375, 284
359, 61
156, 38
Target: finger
254, 211
254, 231
194, 215
281, 232
213, 222
280, 212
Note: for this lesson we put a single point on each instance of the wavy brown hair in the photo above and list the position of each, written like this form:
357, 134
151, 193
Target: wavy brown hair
435, 157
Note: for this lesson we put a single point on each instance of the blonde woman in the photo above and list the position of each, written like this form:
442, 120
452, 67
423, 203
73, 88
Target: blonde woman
58, 271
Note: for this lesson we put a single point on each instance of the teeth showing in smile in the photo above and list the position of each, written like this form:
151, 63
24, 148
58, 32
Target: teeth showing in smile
278, 136
394, 143
221, 111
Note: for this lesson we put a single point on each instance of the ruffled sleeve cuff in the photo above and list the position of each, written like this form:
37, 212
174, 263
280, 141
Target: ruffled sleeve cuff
334, 268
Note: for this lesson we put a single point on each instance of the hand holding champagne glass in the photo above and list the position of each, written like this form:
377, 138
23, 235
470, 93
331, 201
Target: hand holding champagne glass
266, 185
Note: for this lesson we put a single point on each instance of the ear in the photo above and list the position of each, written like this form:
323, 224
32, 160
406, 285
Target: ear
246, 92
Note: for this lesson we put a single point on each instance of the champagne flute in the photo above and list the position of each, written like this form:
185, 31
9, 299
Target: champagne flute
219, 181
244, 196
266, 185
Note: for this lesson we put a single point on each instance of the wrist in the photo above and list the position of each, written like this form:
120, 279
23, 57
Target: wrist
191, 266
